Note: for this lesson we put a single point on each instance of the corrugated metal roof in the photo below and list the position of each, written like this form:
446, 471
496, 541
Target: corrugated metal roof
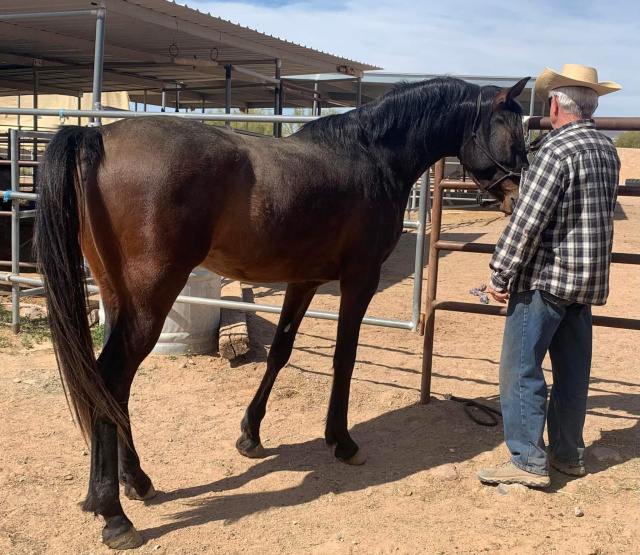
139, 36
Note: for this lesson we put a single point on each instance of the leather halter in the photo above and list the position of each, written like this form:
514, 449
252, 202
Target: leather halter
474, 137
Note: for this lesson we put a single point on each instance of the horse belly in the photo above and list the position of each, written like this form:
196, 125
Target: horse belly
249, 253
263, 267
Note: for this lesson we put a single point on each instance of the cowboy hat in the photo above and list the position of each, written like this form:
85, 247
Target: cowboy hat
573, 75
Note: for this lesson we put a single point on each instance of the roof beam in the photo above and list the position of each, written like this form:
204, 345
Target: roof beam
38, 35
144, 82
42, 89
80, 69
151, 16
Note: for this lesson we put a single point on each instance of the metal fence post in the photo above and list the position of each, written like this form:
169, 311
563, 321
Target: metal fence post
15, 230
428, 203
419, 259
98, 63
432, 285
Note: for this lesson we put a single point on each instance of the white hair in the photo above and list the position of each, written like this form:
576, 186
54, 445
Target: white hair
581, 101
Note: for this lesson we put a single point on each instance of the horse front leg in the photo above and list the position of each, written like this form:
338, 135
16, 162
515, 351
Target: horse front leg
357, 290
296, 301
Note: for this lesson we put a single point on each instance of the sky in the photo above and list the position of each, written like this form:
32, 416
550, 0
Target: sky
515, 38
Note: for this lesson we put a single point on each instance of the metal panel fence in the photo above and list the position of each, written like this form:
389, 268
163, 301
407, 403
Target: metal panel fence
436, 245
15, 195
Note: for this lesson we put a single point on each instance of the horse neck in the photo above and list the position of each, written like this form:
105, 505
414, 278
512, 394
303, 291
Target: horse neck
434, 127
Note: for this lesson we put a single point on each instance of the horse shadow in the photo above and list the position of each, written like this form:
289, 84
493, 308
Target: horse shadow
399, 445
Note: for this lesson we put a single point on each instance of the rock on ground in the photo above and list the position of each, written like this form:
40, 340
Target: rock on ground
606, 454
445, 472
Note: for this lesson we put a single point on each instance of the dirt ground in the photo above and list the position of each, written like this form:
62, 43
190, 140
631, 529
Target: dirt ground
299, 499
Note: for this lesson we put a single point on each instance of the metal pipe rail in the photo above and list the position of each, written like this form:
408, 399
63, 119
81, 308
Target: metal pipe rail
22, 163
472, 308
457, 185
436, 245
488, 248
116, 114
26, 265
41, 15
604, 124
236, 305
15, 195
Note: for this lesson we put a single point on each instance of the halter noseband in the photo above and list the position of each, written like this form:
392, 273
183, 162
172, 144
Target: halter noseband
474, 137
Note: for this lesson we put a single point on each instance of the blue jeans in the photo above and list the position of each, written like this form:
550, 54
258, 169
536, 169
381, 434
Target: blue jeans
538, 322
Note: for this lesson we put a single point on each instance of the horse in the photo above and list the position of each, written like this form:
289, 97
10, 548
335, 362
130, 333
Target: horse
146, 200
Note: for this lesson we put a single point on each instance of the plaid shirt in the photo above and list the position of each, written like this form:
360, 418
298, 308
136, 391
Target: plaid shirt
560, 235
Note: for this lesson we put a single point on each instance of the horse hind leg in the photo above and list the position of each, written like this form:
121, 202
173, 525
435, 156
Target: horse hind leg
296, 301
131, 334
137, 485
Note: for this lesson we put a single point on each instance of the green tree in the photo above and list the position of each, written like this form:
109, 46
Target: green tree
628, 139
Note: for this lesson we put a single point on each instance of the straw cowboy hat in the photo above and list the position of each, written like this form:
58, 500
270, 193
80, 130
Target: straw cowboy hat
573, 75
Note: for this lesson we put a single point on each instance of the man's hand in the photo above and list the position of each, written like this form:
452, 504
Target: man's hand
500, 296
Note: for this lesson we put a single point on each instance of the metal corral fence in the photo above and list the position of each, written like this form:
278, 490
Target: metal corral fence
436, 245
15, 195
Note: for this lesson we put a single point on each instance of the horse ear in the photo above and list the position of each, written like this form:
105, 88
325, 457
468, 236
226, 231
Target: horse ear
504, 95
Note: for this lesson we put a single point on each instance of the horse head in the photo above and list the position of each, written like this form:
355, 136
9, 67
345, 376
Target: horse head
494, 150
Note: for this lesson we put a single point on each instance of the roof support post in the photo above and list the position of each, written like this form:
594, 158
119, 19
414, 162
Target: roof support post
531, 108
98, 61
34, 154
277, 107
227, 93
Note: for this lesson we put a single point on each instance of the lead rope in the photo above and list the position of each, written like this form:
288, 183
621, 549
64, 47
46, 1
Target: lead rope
469, 404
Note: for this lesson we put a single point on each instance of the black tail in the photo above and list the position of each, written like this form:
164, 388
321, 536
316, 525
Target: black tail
72, 152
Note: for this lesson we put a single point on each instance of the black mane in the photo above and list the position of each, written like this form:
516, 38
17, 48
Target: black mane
446, 105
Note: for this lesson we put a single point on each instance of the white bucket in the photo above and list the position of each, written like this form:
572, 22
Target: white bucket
190, 328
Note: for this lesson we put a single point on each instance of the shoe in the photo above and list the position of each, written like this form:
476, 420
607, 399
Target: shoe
510, 474
570, 469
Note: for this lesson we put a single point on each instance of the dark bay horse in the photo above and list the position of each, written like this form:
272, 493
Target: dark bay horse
146, 200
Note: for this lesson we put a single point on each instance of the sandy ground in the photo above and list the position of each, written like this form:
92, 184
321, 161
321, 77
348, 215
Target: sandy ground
299, 499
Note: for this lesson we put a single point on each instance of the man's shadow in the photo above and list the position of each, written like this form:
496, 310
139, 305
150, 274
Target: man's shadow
399, 443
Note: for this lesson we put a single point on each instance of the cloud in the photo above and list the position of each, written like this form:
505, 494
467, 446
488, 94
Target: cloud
462, 37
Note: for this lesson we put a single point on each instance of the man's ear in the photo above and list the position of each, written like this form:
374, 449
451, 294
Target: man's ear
504, 95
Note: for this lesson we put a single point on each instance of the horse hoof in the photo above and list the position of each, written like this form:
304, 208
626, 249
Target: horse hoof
358, 459
249, 448
127, 540
131, 493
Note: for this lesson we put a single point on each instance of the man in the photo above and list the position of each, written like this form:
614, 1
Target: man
551, 264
